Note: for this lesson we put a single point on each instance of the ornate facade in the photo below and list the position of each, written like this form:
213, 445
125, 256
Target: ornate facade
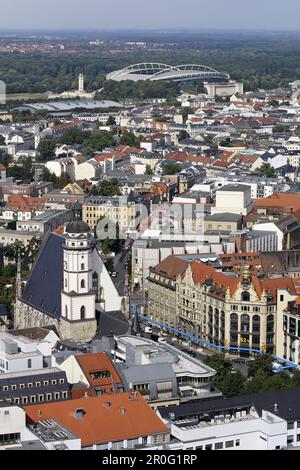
223, 309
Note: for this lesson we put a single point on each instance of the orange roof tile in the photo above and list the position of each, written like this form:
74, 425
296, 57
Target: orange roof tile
105, 419
98, 362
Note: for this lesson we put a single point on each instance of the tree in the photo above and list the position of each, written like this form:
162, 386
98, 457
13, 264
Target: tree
267, 170
111, 121
47, 176
278, 129
183, 135
97, 141
262, 362
233, 384
74, 136
128, 138
171, 168
107, 188
149, 170
226, 142
32, 249
259, 383
185, 112
23, 172
46, 149
2, 140
62, 181
15, 251
222, 366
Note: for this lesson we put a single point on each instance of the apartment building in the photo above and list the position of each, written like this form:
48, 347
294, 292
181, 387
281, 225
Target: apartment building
121, 210
38, 386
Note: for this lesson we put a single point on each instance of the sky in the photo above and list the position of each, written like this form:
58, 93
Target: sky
150, 14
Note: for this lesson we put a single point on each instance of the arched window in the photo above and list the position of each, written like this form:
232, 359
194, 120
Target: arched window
82, 313
82, 284
245, 297
96, 285
270, 323
234, 322
245, 323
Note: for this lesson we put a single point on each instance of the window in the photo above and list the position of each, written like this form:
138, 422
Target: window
290, 425
30, 385
6, 439
82, 267
208, 447
245, 297
82, 284
219, 446
38, 384
82, 313
14, 387
96, 286
46, 383
229, 444
29, 363
237, 443
22, 386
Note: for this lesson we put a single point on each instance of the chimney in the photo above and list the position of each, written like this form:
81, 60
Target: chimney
122, 411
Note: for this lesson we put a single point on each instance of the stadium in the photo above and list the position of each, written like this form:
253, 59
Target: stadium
163, 72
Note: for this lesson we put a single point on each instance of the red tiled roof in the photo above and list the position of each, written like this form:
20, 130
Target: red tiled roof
105, 419
98, 362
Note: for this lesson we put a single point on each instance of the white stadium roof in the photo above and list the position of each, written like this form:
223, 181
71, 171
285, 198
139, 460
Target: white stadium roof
159, 72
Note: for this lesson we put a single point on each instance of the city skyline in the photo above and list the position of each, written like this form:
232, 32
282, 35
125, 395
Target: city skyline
135, 15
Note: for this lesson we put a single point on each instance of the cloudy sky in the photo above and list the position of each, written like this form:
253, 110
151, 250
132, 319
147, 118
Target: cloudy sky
152, 14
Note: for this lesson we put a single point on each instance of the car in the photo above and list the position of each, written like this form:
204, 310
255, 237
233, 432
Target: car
148, 330
162, 340
114, 274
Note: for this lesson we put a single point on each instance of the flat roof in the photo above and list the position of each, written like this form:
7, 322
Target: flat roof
235, 187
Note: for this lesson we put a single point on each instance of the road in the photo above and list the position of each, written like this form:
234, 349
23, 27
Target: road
120, 267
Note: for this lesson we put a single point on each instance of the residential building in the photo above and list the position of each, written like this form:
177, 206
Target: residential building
119, 210
34, 386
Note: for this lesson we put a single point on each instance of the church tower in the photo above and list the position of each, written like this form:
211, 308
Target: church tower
81, 83
78, 299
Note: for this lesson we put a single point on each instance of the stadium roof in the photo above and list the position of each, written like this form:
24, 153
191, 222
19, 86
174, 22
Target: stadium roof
159, 72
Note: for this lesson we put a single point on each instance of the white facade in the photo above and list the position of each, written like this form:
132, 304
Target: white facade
78, 298
233, 200
19, 354
239, 432
87, 170
271, 227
